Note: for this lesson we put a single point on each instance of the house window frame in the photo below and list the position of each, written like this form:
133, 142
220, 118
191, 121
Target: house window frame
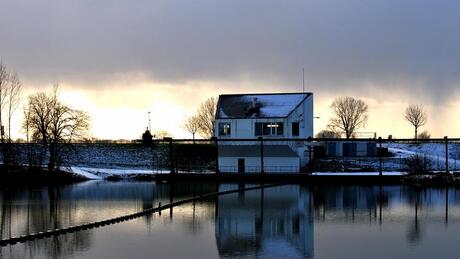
269, 129
225, 129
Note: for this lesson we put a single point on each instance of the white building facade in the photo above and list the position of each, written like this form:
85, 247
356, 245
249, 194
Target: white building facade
270, 116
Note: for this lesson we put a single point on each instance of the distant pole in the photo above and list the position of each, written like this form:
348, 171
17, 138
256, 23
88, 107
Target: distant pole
261, 155
447, 154
303, 80
150, 126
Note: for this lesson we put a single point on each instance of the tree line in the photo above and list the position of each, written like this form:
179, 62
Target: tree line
47, 121
351, 114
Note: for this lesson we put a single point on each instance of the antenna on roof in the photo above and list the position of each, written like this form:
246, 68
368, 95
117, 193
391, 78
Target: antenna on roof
150, 126
303, 80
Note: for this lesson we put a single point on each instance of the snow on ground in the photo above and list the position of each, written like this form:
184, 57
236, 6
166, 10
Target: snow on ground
102, 173
357, 173
436, 152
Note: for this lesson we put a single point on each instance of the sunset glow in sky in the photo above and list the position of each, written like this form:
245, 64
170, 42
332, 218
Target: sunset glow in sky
119, 59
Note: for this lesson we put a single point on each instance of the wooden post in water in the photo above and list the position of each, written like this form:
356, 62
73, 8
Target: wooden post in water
447, 154
261, 155
380, 156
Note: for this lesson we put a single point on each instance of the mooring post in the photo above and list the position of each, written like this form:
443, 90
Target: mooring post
447, 154
261, 155
171, 162
380, 156
216, 143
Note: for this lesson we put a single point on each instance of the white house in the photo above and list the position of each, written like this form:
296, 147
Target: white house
270, 116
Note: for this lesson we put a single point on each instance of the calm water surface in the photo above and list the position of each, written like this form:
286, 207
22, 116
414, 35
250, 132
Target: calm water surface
287, 221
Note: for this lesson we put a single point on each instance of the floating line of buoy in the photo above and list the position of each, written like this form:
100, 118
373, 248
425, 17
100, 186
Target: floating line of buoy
97, 224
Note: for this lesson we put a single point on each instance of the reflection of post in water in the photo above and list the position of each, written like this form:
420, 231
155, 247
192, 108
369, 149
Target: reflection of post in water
310, 205
380, 204
414, 232
217, 203
262, 203
260, 222
171, 198
416, 206
5, 224
241, 192
447, 205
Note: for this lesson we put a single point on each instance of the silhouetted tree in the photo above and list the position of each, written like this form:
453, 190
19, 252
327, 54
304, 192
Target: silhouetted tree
13, 99
424, 135
349, 114
4, 82
327, 134
192, 125
416, 116
206, 117
10, 93
53, 124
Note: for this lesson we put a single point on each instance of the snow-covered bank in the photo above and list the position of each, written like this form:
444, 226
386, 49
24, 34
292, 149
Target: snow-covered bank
435, 152
92, 173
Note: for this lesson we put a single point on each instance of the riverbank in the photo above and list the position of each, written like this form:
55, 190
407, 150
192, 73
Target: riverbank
20, 175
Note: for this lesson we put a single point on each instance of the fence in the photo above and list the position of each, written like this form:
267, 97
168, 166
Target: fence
266, 155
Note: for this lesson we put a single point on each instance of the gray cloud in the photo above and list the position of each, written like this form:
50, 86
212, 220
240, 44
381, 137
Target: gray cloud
340, 43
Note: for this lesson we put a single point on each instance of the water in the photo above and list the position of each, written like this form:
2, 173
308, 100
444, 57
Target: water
296, 221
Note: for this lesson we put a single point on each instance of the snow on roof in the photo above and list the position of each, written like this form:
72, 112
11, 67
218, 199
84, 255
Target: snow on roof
263, 105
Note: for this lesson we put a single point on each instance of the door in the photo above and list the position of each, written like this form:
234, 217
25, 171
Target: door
241, 165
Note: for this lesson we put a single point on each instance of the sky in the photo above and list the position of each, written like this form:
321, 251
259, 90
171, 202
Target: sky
120, 59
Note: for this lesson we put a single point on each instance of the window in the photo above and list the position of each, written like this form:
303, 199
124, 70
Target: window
295, 129
224, 129
269, 129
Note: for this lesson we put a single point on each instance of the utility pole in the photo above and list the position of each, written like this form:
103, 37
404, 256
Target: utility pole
303, 80
150, 126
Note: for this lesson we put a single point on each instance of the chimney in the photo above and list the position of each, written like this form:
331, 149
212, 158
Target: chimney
254, 103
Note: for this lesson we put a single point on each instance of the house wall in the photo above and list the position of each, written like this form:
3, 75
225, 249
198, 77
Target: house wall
252, 164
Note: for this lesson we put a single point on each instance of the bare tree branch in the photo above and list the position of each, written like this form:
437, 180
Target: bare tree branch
192, 125
350, 114
53, 123
416, 116
206, 117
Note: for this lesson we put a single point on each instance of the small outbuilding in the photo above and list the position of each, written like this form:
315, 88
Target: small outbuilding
351, 148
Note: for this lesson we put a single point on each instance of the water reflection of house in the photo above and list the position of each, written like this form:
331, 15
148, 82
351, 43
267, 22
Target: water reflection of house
273, 222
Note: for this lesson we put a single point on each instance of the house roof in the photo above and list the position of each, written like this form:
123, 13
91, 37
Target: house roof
254, 151
275, 105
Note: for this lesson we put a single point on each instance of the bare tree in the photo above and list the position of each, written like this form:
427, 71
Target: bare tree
206, 117
13, 99
53, 124
349, 114
192, 125
416, 116
4, 79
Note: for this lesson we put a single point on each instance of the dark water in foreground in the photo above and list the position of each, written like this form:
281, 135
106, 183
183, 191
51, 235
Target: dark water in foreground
286, 221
